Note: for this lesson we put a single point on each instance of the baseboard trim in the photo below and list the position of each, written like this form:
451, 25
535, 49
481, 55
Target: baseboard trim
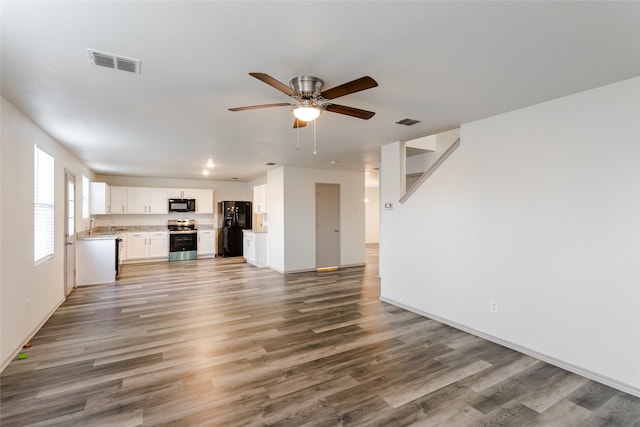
311, 270
627, 388
19, 350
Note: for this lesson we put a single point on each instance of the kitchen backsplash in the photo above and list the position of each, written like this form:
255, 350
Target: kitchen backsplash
118, 221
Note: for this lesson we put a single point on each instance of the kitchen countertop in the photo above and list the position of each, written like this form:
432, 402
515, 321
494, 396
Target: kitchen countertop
102, 233
97, 236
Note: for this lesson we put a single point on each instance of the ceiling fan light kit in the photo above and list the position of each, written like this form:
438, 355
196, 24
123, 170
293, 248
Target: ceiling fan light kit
306, 111
311, 100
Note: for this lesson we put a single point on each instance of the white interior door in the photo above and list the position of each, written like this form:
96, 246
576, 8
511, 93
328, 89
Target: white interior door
70, 233
327, 225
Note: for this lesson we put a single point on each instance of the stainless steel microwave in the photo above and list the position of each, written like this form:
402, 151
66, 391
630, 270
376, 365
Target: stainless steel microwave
182, 205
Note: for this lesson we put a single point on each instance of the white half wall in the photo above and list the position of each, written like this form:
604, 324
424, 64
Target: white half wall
538, 210
29, 294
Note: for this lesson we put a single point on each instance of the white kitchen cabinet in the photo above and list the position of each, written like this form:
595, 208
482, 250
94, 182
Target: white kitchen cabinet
99, 198
142, 200
260, 199
118, 200
136, 200
181, 193
206, 243
136, 246
254, 246
204, 201
147, 245
158, 246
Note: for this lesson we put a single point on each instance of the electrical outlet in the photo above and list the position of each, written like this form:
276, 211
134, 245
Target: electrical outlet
493, 305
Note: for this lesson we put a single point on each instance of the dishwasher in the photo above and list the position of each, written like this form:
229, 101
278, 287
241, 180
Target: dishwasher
119, 254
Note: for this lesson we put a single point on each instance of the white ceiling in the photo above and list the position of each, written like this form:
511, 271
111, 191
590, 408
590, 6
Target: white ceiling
444, 63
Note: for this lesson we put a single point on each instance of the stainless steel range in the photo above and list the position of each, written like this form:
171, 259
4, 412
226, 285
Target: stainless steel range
183, 239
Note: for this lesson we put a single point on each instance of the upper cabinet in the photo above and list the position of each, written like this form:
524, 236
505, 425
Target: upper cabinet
141, 200
204, 201
104, 199
260, 199
99, 198
181, 193
118, 200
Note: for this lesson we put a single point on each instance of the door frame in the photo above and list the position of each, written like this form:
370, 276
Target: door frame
69, 241
337, 227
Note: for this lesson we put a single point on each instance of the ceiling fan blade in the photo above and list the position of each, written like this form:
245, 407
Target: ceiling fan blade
349, 111
255, 107
298, 123
274, 83
354, 86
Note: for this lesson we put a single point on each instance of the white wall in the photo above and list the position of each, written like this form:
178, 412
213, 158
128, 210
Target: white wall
372, 215
276, 212
538, 209
294, 237
29, 294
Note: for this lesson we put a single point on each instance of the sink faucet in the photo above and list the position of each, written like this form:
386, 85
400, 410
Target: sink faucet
92, 222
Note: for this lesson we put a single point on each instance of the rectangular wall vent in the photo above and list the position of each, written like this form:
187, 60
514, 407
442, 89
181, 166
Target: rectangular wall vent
407, 122
110, 60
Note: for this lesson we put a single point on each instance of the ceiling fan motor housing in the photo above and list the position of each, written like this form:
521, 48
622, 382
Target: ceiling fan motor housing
307, 86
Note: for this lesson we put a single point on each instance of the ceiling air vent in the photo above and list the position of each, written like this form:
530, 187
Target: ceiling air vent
110, 60
407, 122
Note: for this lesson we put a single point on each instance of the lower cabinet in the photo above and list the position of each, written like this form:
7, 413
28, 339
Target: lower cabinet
254, 248
206, 243
147, 245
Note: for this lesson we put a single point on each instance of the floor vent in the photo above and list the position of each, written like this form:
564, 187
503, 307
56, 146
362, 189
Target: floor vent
407, 122
110, 60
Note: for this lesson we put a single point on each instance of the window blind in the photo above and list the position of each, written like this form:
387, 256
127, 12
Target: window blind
43, 224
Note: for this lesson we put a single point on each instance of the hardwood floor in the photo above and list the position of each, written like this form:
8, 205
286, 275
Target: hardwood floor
221, 343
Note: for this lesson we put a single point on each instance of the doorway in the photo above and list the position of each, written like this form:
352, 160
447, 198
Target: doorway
327, 226
69, 232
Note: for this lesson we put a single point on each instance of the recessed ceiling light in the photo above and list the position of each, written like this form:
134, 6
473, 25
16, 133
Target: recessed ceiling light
333, 162
205, 172
210, 163
270, 164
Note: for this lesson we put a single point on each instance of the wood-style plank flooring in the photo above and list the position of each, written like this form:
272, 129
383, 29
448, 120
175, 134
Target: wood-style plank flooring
220, 343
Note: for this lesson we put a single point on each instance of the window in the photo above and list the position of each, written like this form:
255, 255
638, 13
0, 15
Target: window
85, 197
42, 205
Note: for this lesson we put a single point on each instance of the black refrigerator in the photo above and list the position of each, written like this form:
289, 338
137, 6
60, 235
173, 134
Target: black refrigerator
233, 217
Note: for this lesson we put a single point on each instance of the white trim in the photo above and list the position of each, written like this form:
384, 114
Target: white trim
20, 349
627, 388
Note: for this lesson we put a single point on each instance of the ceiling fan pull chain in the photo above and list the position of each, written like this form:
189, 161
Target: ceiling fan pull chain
314, 138
297, 139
